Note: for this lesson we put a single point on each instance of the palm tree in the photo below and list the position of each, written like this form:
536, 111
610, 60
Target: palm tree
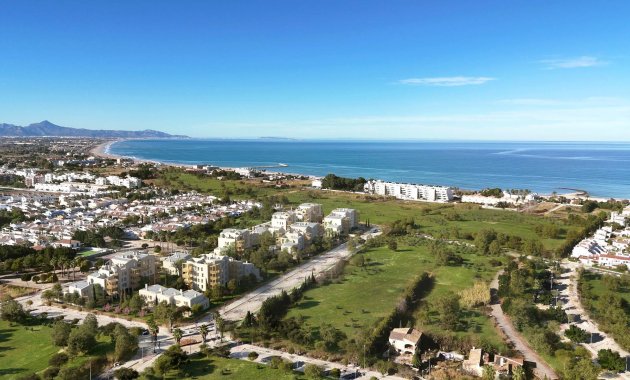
203, 330
220, 323
177, 334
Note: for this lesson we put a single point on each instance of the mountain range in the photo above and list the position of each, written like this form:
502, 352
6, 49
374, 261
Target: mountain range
46, 128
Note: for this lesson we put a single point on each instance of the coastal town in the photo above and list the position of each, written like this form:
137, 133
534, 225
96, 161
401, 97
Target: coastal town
123, 231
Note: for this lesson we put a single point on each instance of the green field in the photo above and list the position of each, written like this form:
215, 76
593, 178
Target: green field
355, 303
598, 287
434, 218
24, 349
220, 368
243, 189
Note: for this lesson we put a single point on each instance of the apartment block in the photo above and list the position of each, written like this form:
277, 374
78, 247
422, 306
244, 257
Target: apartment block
210, 270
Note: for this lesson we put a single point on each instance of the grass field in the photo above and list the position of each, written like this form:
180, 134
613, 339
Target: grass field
598, 287
433, 217
363, 296
23, 350
26, 349
220, 368
243, 189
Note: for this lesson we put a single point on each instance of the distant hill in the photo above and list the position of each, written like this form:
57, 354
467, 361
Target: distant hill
46, 128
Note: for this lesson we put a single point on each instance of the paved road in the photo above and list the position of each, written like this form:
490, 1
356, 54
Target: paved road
567, 286
520, 344
236, 311
241, 352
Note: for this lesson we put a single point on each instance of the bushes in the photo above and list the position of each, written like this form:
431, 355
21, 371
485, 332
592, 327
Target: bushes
58, 359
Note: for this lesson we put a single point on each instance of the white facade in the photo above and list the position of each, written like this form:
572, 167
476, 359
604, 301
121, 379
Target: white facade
408, 191
155, 294
309, 212
169, 264
280, 221
239, 239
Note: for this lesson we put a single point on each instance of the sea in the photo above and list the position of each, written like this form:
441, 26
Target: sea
601, 169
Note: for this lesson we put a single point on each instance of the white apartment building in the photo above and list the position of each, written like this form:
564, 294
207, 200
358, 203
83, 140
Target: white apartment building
240, 239
155, 294
82, 288
408, 191
292, 241
124, 272
208, 271
169, 264
309, 212
310, 230
280, 221
341, 221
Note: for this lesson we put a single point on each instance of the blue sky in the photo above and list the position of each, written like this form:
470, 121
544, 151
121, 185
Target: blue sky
531, 70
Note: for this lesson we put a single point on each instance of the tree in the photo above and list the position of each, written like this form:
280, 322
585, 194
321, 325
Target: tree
136, 302
90, 324
126, 345
12, 311
448, 310
393, 245
312, 371
220, 324
125, 373
576, 334
611, 360
489, 372
81, 341
518, 373
177, 334
60, 333
203, 330
58, 359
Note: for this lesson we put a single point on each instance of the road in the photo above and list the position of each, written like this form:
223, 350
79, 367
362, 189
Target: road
236, 310
567, 287
242, 351
520, 344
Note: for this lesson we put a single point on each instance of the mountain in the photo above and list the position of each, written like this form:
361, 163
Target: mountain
46, 128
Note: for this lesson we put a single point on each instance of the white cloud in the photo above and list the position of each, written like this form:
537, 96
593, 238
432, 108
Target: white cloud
446, 81
572, 63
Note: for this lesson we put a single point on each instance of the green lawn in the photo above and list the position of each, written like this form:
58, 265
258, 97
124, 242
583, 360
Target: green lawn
220, 368
363, 296
24, 349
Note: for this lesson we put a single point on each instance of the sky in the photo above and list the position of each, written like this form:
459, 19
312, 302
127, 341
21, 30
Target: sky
465, 70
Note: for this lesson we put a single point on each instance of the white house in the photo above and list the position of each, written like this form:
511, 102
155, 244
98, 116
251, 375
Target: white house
405, 340
155, 294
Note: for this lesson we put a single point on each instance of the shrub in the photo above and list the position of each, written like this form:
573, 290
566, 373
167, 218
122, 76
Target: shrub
58, 359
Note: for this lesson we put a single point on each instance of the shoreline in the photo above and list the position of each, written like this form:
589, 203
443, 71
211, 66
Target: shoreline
103, 151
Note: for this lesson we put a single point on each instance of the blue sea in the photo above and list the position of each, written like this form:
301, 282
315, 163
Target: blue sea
602, 169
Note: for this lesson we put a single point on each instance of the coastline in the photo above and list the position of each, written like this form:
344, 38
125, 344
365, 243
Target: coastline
103, 151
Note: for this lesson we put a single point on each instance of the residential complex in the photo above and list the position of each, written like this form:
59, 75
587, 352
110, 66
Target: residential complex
155, 294
609, 246
341, 221
210, 271
411, 192
125, 272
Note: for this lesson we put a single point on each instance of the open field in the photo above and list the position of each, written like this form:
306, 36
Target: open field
364, 295
24, 349
220, 368
435, 218
238, 189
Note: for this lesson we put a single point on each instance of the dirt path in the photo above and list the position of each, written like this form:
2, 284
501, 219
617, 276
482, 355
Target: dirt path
503, 321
